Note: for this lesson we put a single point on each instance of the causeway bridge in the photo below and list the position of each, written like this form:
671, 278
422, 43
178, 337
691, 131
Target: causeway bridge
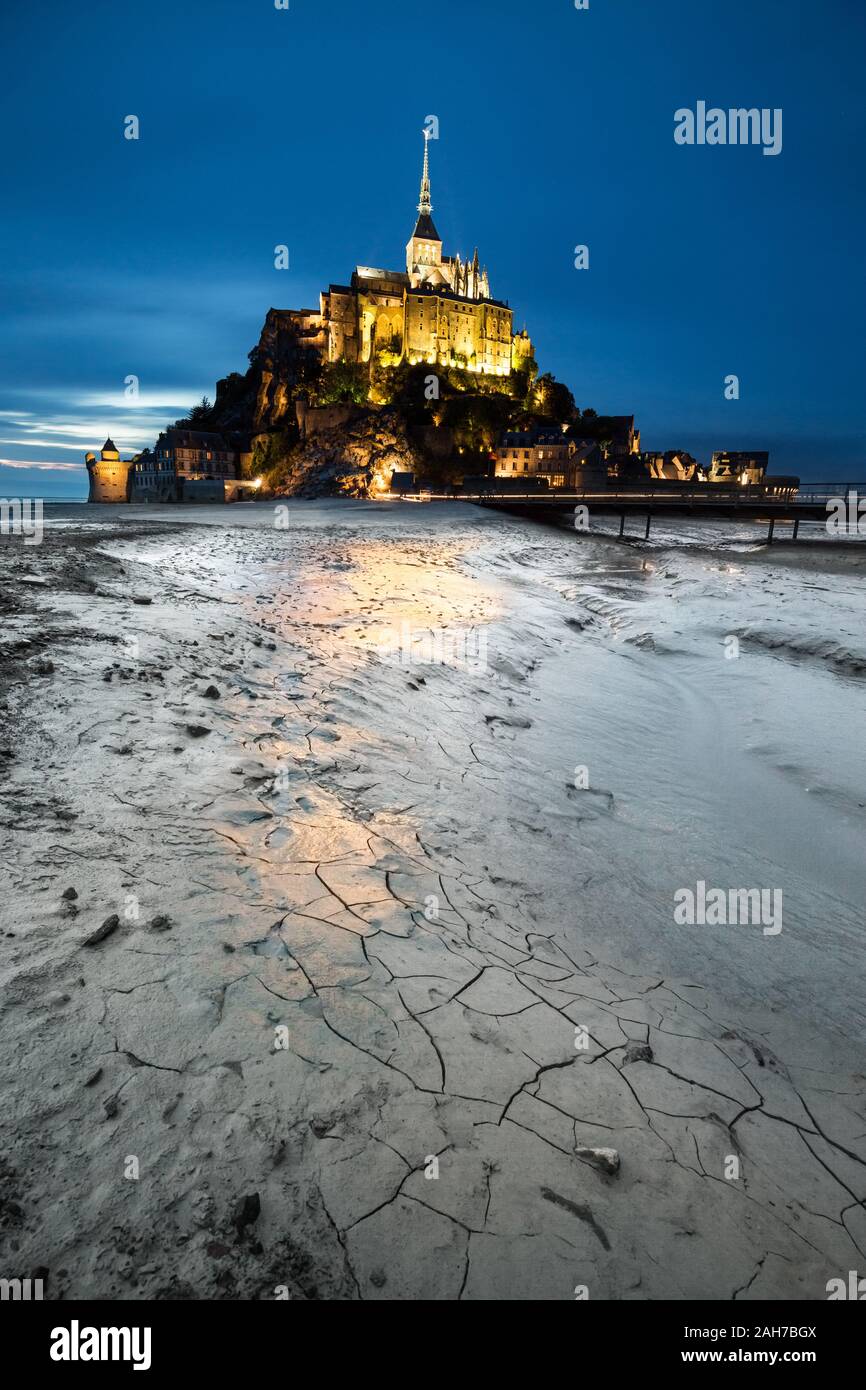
810, 502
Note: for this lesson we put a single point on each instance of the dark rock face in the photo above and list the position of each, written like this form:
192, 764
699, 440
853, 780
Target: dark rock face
297, 448
281, 364
353, 460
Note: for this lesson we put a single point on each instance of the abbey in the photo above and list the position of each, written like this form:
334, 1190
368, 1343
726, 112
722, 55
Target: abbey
439, 310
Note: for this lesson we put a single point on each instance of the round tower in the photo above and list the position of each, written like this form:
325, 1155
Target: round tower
110, 478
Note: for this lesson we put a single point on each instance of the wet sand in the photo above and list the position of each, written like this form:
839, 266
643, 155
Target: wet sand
393, 1008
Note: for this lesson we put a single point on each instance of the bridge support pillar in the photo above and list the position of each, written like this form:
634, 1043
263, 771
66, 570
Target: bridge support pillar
771, 530
621, 523
649, 517
796, 529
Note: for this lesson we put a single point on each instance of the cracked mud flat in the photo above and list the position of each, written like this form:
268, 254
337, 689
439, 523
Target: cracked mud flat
362, 911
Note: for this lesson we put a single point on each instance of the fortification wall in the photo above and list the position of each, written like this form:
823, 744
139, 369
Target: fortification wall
313, 419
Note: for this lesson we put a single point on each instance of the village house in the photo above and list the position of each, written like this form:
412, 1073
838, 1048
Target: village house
185, 465
623, 439
675, 465
547, 452
741, 468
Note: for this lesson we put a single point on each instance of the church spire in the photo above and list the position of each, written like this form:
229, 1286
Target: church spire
425, 244
425, 207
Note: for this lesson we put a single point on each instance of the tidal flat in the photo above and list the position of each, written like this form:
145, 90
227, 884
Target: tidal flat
338, 944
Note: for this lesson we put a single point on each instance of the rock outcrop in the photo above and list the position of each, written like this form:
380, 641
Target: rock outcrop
282, 364
355, 459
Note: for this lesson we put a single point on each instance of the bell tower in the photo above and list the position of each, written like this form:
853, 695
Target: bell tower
424, 249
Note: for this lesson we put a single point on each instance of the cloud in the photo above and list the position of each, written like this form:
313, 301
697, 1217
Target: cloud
46, 444
64, 391
81, 420
42, 465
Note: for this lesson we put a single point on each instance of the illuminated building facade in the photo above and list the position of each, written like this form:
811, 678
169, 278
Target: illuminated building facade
743, 467
439, 310
548, 452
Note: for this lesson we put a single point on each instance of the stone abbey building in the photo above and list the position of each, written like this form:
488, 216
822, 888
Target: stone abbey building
439, 310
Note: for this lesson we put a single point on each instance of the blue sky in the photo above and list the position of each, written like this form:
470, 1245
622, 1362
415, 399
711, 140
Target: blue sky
259, 126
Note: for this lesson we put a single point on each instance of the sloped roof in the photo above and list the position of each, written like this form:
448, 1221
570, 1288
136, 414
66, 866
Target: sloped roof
179, 437
426, 228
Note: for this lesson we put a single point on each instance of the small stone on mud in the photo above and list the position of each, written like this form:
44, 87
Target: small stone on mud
109, 925
248, 1211
606, 1160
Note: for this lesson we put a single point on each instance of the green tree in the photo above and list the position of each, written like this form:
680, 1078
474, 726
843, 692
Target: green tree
343, 381
269, 452
553, 400
201, 413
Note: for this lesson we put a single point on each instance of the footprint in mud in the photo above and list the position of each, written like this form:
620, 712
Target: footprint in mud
484, 1031
269, 946
278, 837
504, 666
605, 797
510, 721
591, 802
